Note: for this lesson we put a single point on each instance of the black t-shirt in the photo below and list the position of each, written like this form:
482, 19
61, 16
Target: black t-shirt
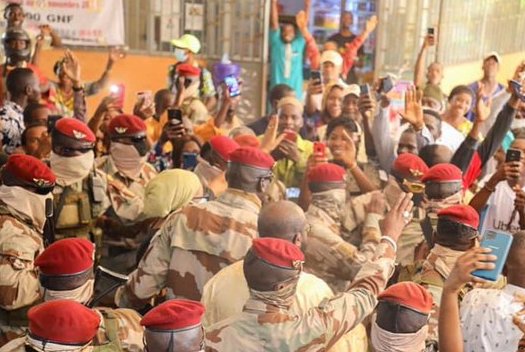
342, 40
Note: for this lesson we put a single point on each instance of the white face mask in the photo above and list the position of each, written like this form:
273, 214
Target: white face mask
180, 54
26, 202
82, 294
69, 170
206, 172
517, 123
127, 159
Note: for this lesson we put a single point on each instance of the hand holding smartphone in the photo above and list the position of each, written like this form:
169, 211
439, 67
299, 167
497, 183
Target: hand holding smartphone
290, 136
175, 116
500, 243
233, 86
319, 149
118, 91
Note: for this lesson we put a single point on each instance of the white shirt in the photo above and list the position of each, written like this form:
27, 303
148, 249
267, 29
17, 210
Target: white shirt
450, 137
499, 210
486, 320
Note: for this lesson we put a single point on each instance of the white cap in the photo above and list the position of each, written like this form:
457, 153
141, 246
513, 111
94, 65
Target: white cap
494, 55
353, 89
332, 56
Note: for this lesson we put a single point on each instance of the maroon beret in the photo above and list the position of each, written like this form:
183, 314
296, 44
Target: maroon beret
327, 172
188, 70
174, 314
253, 157
278, 252
223, 146
410, 166
31, 171
443, 172
463, 214
409, 294
75, 129
66, 257
126, 125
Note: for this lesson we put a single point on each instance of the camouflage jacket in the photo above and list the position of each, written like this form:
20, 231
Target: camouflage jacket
264, 327
192, 245
371, 172
329, 256
119, 330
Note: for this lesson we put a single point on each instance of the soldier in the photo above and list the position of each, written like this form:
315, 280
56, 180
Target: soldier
26, 184
80, 197
212, 165
66, 272
127, 175
272, 268
400, 322
61, 325
328, 255
174, 325
196, 242
456, 233
285, 220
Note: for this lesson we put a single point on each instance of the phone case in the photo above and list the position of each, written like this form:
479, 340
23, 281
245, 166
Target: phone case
500, 243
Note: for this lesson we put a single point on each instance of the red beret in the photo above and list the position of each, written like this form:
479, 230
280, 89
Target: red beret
223, 146
30, 170
410, 166
247, 140
187, 70
63, 322
126, 125
410, 295
252, 157
66, 257
443, 173
463, 214
174, 314
75, 129
278, 252
327, 172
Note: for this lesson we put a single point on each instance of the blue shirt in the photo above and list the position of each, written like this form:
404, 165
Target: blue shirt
475, 88
283, 72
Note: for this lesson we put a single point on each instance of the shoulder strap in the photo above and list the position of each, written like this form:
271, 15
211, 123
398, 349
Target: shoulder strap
111, 330
61, 203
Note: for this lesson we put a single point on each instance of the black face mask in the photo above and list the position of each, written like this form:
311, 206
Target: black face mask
141, 145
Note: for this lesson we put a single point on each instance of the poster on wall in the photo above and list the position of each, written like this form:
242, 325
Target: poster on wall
194, 17
78, 22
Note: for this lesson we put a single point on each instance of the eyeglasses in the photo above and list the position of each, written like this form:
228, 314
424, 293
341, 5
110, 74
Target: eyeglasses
414, 187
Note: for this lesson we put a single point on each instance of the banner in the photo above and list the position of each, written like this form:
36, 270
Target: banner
78, 22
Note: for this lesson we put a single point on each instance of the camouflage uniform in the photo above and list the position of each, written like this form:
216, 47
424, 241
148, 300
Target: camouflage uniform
371, 172
264, 327
20, 243
192, 245
328, 255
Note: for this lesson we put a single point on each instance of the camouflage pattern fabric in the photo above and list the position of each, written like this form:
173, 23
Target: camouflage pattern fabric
372, 174
119, 330
264, 327
192, 245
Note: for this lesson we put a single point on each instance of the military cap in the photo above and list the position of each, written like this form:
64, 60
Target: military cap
223, 146
74, 133
66, 257
63, 322
174, 314
278, 252
28, 171
462, 214
253, 157
188, 70
443, 172
410, 295
409, 166
327, 172
247, 140
126, 125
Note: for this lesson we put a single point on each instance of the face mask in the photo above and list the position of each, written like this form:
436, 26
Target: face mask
28, 203
69, 170
180, 55
127, 159
206, 172
80, 294
517, 124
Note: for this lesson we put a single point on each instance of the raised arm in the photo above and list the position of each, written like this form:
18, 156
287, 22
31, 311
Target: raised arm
274, 16
95, 87
419, 71
312, 51
351, 49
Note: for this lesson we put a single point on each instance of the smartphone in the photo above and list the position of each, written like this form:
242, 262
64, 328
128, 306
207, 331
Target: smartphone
319, 149
189, 161
118, 91
365, 88
233, 86
516, 89
175, 116
387, 84
430, 31
291, 136
316, 76
52, 121
500, 243
513, 155
293, 193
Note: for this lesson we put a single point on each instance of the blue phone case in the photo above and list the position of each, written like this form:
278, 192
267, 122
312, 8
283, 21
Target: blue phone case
500, 243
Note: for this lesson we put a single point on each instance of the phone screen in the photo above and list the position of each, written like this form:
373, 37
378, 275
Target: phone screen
233, 86
175, 116
387, 84
430, 31
319, 149
316, 76
513, 155
365, 88
118, 91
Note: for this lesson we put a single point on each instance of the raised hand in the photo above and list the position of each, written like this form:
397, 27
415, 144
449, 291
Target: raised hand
483, 105
413, 112
71, 66
475, 259
371, 24
377, 203
398, 217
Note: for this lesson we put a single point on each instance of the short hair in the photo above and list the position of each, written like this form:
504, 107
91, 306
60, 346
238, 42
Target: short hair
11, 6
18, 79
348, 124
448, 231
461, 89
433, 113
430, 155
160, 94
279, 91
29, 110
23, 137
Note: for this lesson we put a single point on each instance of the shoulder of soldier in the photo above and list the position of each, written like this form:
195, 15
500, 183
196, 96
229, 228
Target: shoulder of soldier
16, 345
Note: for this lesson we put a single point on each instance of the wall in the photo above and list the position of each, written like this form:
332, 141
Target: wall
469, 72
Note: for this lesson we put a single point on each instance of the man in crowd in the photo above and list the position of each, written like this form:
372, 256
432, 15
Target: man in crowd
26, 184
434, 75
277, 93
195, 243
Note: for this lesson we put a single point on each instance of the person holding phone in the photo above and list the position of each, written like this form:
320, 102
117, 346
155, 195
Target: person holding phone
186, 94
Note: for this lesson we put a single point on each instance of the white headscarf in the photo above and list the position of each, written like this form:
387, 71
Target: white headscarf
26, 202
386, 341
69, 170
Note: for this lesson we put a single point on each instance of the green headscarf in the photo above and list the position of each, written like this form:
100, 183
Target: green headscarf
169, 191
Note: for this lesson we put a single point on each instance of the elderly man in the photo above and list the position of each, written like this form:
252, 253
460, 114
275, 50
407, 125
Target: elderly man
26, 184
293, 152
272, 268
66, 270
195, 243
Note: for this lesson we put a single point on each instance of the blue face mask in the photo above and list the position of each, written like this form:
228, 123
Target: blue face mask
180, 55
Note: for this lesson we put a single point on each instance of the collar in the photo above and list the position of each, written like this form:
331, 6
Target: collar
241, 199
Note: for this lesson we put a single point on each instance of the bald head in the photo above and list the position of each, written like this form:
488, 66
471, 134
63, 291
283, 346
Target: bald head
283, 219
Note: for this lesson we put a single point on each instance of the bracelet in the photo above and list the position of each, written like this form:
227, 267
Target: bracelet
390, 241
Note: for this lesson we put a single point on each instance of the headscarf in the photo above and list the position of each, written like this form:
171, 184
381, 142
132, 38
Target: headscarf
383, 341
169, 191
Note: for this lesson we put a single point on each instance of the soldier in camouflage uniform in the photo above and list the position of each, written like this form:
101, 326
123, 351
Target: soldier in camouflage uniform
62, 325
328, 255
194, 243
456, 233
174, 325
272, 268
26, 184
66, 272
127, 175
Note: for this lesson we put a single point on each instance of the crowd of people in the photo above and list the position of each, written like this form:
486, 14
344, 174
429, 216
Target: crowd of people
333, 223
